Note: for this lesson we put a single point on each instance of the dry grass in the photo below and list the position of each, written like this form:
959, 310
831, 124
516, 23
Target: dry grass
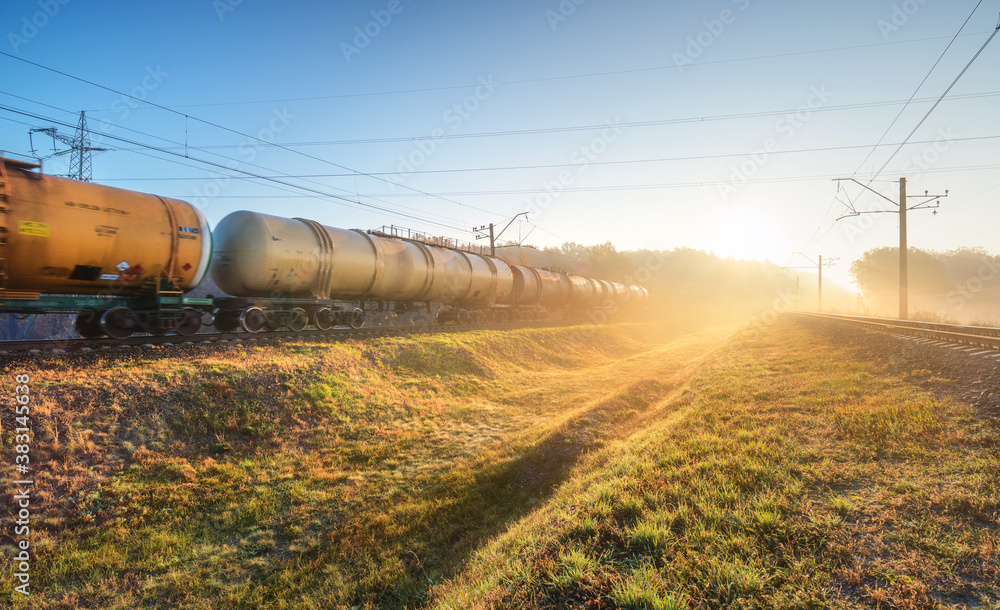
784, 475
317, 473
603, 467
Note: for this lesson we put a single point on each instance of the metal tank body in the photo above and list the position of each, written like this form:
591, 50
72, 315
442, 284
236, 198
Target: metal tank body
638, 294
527, 286
71, 237
621, 292
505, 281
605, 293
492, 280
556, 288
584, 292
258, 255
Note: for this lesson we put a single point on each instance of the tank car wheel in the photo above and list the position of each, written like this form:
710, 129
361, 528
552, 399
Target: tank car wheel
88, 324
253, 319
480, 316
324, 318
227, 321
462, 317
119, 322
190, 322
299, 319
357, 318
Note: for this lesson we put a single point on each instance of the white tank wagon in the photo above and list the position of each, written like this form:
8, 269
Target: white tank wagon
291, 271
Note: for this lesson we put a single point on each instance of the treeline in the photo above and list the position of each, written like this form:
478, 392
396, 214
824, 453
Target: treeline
960, 285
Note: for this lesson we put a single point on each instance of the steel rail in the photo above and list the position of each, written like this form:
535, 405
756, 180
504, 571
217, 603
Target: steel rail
980, 336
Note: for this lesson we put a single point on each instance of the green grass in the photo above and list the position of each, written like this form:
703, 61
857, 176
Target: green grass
785, 475
311, 474
525, 469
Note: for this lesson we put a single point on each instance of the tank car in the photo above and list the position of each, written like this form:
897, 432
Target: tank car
123, 262
119, 259
290, 272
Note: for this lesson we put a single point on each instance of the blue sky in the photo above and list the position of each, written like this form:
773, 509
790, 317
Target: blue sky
716, 125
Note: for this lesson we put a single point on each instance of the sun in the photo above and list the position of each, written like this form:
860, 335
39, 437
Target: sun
742, 232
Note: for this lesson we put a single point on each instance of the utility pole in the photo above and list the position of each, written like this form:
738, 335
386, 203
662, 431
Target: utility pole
904, 273
929, 202
820, 293
819, 265
481, 233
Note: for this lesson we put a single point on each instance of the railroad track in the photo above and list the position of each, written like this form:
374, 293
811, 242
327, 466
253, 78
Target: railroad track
335, 334
986, 337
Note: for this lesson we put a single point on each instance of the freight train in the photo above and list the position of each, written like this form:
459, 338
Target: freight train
125, 262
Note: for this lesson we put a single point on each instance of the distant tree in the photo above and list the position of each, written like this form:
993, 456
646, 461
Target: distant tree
928, 277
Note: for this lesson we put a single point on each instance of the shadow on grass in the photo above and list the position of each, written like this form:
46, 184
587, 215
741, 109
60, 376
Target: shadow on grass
499, 495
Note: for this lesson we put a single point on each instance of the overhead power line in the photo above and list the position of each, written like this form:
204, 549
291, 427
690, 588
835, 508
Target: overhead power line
632, 187
222, 127
591, 163
921, 122
172, 151
629, 125
569, 76
246, 173
940, 99
917, 90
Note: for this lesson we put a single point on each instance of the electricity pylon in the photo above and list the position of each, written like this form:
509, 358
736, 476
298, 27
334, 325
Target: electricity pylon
80, 167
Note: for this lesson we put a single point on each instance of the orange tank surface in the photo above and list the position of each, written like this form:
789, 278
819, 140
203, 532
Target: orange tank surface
71, 237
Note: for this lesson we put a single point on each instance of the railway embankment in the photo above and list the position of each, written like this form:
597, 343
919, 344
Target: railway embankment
616, 466
964, 373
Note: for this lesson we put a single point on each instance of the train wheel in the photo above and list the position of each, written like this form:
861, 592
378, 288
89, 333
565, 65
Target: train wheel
480, 316
227, 321
357, 318
88, 324
190, 322
299, 319
253, 319
324, 318
462, 317
119, 322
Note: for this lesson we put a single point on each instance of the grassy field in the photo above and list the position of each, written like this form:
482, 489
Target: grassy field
592, 466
